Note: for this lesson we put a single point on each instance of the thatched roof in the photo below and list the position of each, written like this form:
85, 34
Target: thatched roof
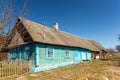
98, 45
43, 34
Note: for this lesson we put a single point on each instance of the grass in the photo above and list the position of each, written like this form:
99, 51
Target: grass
103, 69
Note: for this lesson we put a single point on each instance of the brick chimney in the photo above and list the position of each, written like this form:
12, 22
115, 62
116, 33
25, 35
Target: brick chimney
55, 26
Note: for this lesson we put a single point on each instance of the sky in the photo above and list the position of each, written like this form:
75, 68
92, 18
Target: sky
92, 19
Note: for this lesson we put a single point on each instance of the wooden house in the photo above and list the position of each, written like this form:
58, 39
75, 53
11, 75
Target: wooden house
46, 48
98, 54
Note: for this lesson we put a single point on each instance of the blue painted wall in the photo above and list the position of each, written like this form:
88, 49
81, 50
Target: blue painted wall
23, 52
89, 55
77, 55
61, 56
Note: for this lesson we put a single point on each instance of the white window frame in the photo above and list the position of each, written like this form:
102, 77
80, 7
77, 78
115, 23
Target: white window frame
67, 53
49, 52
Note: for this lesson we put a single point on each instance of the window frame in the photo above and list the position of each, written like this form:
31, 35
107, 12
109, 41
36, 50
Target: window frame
14, 53
67, 53
51, 50
26, 49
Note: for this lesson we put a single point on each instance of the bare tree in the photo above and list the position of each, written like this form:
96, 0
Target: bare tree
119, 37
118, 48
111, 51
9, 13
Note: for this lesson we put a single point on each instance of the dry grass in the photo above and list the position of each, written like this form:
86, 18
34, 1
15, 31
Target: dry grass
103, 69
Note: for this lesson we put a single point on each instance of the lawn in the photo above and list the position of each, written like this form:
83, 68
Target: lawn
103, 69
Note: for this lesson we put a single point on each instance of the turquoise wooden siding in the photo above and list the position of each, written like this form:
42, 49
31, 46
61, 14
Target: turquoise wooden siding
71, 54
77, 55
19, 53
39, 54
89, 55
59, 58
84, 54
9, 55
59, 55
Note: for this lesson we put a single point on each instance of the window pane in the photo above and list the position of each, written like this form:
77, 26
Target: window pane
14, 53
27, 53
66, 53
50, 52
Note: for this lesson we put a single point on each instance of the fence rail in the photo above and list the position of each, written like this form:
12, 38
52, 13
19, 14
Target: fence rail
13, 68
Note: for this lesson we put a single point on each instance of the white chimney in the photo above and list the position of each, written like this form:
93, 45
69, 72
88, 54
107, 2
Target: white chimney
55, 26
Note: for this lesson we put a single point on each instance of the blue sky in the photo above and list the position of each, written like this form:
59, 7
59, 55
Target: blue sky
93, 19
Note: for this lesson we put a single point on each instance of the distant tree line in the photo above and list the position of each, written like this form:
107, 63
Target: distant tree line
118, 46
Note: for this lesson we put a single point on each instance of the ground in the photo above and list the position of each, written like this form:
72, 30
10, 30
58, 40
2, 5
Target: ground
103, 69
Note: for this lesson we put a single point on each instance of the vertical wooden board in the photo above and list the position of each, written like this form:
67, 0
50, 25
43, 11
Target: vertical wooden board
62, 54
57, 52
17, 52
89, 55
0, 70
22, 52
71, 54
83, 53
77, 55
9, 55
37, 54
42, 52
32, 51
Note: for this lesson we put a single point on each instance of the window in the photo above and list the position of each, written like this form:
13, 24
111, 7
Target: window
27, 53
67, 53
50, 53
14, 54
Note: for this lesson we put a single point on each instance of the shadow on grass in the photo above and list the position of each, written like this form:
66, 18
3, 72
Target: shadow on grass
105, 59
113, 59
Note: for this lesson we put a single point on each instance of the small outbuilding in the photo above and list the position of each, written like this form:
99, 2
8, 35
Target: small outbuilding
98, 54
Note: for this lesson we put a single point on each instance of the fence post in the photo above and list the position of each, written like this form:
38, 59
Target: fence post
0, 70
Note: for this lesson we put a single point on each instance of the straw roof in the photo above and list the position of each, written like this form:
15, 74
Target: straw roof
98, 45
43, 34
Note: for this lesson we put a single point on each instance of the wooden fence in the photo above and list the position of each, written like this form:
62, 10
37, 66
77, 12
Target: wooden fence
13, 68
